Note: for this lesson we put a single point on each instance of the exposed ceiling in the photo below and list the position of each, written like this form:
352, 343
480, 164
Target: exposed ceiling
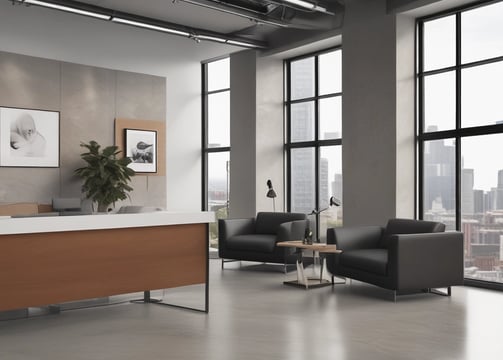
262, 23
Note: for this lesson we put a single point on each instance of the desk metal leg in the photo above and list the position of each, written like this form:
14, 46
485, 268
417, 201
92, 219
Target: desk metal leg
148, 300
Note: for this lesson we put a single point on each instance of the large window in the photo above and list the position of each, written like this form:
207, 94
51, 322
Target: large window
216, 141
314, 136
460, 132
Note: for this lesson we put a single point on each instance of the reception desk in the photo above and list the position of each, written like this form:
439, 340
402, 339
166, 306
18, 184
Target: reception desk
48, 260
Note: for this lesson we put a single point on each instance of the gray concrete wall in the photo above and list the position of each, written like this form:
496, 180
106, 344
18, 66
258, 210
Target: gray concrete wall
405, 119
369, 113
89, 99
270, 133
243, 134
183, 133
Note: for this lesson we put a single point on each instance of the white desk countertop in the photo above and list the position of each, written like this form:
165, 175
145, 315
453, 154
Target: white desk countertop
42, 224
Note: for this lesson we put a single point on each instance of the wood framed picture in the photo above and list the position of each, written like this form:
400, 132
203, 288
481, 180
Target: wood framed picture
29, 137
141, 148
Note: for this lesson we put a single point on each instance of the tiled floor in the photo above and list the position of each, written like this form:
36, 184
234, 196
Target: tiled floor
254, 316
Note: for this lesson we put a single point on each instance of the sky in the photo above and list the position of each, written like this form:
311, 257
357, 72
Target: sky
481, 86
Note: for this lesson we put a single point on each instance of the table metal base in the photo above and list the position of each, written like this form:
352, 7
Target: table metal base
311, 283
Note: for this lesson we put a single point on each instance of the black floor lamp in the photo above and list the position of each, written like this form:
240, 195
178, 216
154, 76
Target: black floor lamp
271, 194
332, 202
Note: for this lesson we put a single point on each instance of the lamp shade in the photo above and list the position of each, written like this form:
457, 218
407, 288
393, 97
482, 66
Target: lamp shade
335, 201
270, 193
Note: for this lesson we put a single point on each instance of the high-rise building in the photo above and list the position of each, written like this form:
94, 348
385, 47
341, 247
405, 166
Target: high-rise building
478, 201
499, 192
467, 197
337, 186
439, 175
302, 128
324, 185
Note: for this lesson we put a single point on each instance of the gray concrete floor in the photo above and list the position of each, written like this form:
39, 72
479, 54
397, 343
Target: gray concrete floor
254, 316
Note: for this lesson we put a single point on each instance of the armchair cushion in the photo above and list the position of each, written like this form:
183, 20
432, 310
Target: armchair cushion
408, 226
269, 222
252, 242
370, 260
355, 238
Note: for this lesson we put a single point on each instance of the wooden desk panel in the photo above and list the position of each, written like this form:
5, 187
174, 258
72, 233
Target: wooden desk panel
47, 268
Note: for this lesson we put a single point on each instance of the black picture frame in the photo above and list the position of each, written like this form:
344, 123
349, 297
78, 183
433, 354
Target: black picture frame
29, 137
141, 147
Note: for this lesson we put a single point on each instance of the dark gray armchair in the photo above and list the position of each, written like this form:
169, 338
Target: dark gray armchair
406, 255
255, 239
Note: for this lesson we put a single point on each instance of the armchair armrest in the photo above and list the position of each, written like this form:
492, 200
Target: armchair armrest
353, 238
228, 228
427, 260
232, 227
292, 230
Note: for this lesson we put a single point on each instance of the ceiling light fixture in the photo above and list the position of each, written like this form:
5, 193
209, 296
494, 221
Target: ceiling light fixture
139, 21
307, 5
241, 43
67, 9
244, 13
211, 38
149, 26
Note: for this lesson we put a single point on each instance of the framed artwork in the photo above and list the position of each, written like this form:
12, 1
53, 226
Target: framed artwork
141, 148
29, 138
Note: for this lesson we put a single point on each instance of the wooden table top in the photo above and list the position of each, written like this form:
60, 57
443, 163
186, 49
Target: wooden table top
321, 247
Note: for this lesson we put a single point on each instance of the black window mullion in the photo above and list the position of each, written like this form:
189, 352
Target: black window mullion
288, 110
420, 114
217, 91
204, 137
458, 121
317, 151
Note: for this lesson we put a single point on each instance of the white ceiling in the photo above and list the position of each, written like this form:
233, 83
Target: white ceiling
178, 12
68, 37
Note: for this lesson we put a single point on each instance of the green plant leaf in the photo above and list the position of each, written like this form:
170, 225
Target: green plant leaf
105, 177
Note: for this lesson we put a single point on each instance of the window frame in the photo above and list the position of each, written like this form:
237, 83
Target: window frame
205, 149
459, 132
315, 144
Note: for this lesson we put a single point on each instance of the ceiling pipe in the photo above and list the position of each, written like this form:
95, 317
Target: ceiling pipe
107, 14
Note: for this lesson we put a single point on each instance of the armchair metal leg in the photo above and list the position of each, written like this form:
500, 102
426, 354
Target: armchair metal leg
441, 293
394, 295
226, 261
344, 280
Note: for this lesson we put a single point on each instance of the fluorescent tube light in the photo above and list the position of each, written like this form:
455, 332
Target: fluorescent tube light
307, 5
211, 38
258, 19
240, 43
149, 26
68, 9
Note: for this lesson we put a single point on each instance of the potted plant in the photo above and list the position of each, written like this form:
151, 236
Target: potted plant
105, 177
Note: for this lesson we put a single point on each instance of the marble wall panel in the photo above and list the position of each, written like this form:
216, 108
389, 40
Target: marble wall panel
89, 99
29, 82
87, 113
140, 96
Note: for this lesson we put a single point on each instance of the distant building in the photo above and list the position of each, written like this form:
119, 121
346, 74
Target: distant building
478, 201
439, 175
467, 196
